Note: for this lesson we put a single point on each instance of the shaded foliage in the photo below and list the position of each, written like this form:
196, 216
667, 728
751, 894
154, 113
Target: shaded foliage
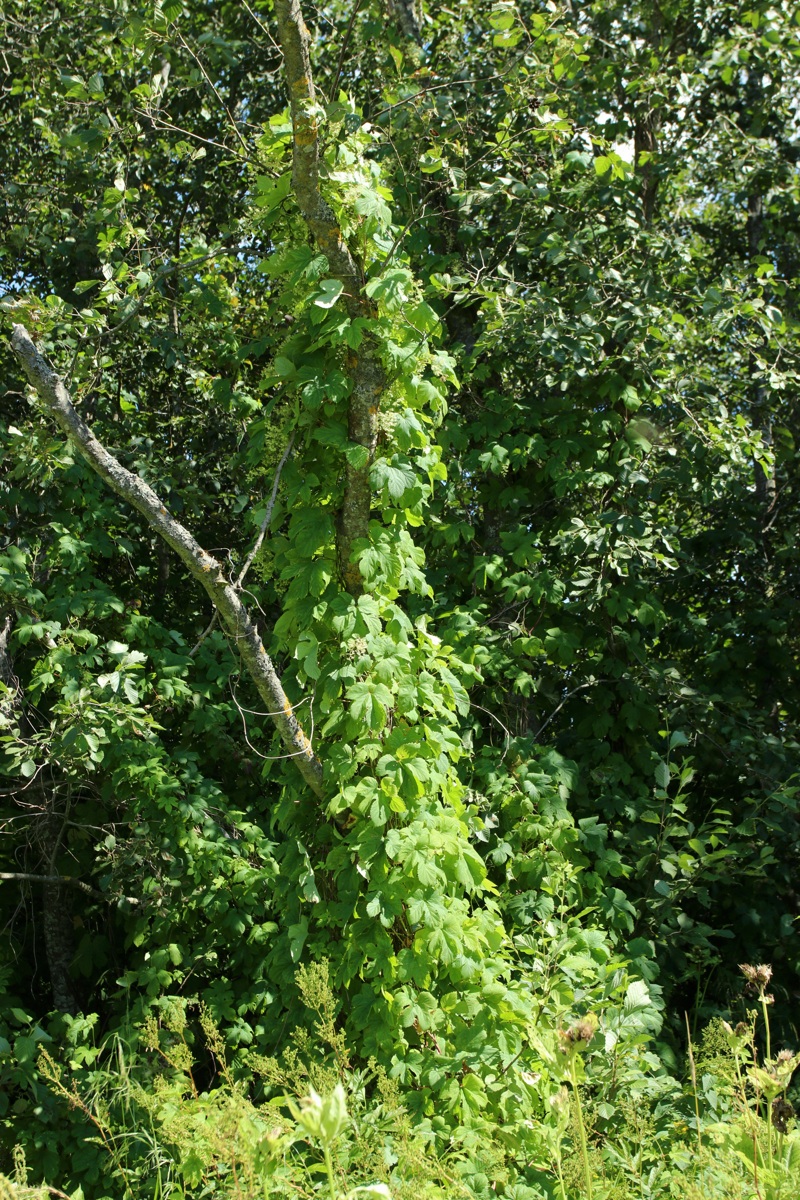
551, 680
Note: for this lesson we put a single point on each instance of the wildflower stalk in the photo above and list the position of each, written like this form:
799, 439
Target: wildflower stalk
323, 1119
736, 1045
693, 1070
329, 1169
51, 1072
758, 978
764, 1009
573, 1041
587, 1173
560, 1171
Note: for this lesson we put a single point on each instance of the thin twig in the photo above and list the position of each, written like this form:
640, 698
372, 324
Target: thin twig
256, 712
261, 535
217, 95
160, 123
343, 50
436, 87
499, 722
270, 757
208, 629
581, 687
264, 29
267, 515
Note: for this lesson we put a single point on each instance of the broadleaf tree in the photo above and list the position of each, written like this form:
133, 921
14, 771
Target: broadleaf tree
401, 536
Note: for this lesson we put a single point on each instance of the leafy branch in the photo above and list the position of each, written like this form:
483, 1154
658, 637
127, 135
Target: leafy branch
200, 564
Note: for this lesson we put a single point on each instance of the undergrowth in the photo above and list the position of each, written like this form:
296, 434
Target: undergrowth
164, 1115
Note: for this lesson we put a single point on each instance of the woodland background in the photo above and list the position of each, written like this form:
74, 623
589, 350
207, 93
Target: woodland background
474, 373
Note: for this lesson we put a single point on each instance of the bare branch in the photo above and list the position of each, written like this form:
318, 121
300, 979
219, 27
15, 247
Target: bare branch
267, 516
208, 629
345, 43
201, 565
580, 688
69, 880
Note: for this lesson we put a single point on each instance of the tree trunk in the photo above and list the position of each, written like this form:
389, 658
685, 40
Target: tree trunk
364, 368
59, 931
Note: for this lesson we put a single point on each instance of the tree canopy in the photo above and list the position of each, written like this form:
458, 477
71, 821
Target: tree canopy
400, 560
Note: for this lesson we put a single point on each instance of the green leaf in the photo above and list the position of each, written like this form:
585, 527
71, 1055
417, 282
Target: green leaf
431, 162
392, 288
394, 478
297, 938
473, 1093
285, 367
272, 192
427, 395
368, 703
310, 530
408, 431
372, 204
329, 293
662, 775
357, 456
637, 997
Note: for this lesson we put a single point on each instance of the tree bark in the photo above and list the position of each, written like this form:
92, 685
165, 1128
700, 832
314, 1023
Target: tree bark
405, 13
366, 373
205, 569
645, 141
647, 126
48, 828
57, 924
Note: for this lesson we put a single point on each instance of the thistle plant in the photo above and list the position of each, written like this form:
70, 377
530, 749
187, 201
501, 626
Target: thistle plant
758, 978
769, 1079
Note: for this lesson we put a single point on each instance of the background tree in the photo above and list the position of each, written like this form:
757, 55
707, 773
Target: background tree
472, 372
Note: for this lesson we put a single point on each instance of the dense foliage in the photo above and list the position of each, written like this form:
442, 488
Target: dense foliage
473, 373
